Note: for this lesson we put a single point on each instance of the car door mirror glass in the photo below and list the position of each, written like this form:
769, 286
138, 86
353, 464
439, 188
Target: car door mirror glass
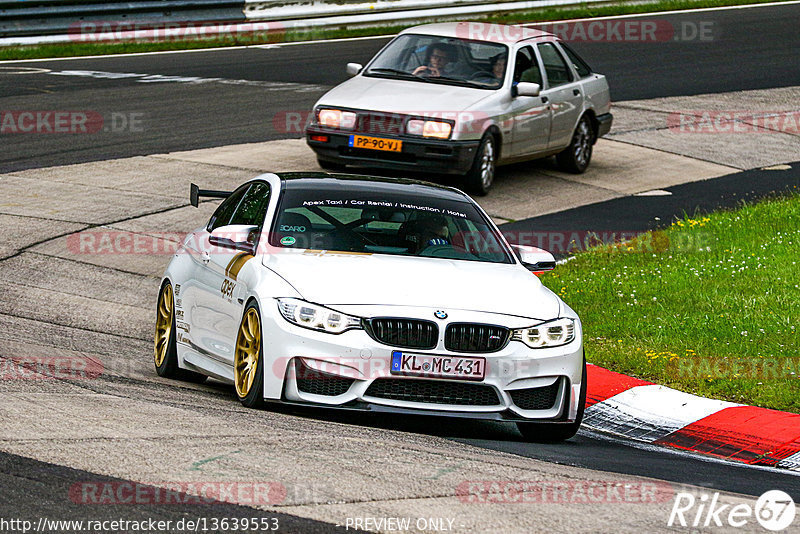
534, 259
235, 236
354, 68
528, 89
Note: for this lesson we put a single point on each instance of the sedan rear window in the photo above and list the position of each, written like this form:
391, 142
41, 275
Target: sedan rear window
385, 222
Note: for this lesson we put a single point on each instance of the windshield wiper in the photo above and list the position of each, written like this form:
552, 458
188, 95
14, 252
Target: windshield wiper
385, 70
460, 81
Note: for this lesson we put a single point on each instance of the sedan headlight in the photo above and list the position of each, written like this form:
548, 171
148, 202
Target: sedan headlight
550, 334
316, 317
336, 118
436, 129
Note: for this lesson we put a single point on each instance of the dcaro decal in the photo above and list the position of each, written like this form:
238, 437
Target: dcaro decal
286, 228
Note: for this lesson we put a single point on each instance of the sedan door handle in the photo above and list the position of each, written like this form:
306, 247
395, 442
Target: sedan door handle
206, 257
576, 92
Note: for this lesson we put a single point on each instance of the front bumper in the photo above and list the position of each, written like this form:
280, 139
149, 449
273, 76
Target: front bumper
352, 371
420, 155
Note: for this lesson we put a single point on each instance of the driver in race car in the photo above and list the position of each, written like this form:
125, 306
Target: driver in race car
433, 231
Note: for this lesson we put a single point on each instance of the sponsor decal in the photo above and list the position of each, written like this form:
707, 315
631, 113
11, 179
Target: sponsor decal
288, 241
227, 289
287, 228
236, 264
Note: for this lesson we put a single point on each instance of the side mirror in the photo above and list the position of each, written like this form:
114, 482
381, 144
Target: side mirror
528, 89
235, 236
354, 68
534, 259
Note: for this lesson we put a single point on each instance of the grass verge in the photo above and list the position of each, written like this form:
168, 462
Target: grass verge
536, 15
709, 305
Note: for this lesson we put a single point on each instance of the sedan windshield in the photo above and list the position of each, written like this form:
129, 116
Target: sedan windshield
385, 222
433, 59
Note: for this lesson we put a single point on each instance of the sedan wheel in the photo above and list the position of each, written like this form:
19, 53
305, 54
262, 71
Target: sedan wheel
165, 350
576, 157
480, 177
248, 366
165, 357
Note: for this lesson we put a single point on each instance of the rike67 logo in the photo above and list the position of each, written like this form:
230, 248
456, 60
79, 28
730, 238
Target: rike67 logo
774, 511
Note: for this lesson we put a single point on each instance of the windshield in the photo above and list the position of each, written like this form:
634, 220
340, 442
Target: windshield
385, 222
432, 59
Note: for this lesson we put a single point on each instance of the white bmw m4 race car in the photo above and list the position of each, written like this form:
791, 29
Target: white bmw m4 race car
374, 294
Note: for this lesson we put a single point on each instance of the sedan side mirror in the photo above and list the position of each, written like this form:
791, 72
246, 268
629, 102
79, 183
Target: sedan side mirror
354, 68
534, 259
235, 236
528, 89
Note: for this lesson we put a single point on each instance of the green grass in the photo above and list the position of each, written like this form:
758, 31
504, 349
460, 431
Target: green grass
537, 15
709, 305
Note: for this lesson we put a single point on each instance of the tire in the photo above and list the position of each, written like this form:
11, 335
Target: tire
165, 347
480, 177
248, 359
556, 432
330, 165
576, 157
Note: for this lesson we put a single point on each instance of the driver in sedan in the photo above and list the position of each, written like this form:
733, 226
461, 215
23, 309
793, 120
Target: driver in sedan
437, 58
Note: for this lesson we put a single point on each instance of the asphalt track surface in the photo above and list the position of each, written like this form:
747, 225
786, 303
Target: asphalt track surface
740, 49
182, 116
30, 490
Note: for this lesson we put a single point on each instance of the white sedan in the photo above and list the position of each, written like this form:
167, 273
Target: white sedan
377, 294
461, 98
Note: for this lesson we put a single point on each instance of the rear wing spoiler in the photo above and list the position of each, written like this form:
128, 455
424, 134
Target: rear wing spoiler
195, 193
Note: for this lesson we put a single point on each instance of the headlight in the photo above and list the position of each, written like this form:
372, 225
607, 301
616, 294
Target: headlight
316, 317
439, 130
550, 334
336, 118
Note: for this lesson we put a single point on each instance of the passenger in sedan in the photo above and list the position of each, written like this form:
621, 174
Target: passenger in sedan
498, 63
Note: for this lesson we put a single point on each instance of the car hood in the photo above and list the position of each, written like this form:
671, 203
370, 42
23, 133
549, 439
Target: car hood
402, 96
374, 279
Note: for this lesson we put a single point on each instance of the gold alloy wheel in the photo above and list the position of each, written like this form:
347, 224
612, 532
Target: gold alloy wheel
248, 347
163, 324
